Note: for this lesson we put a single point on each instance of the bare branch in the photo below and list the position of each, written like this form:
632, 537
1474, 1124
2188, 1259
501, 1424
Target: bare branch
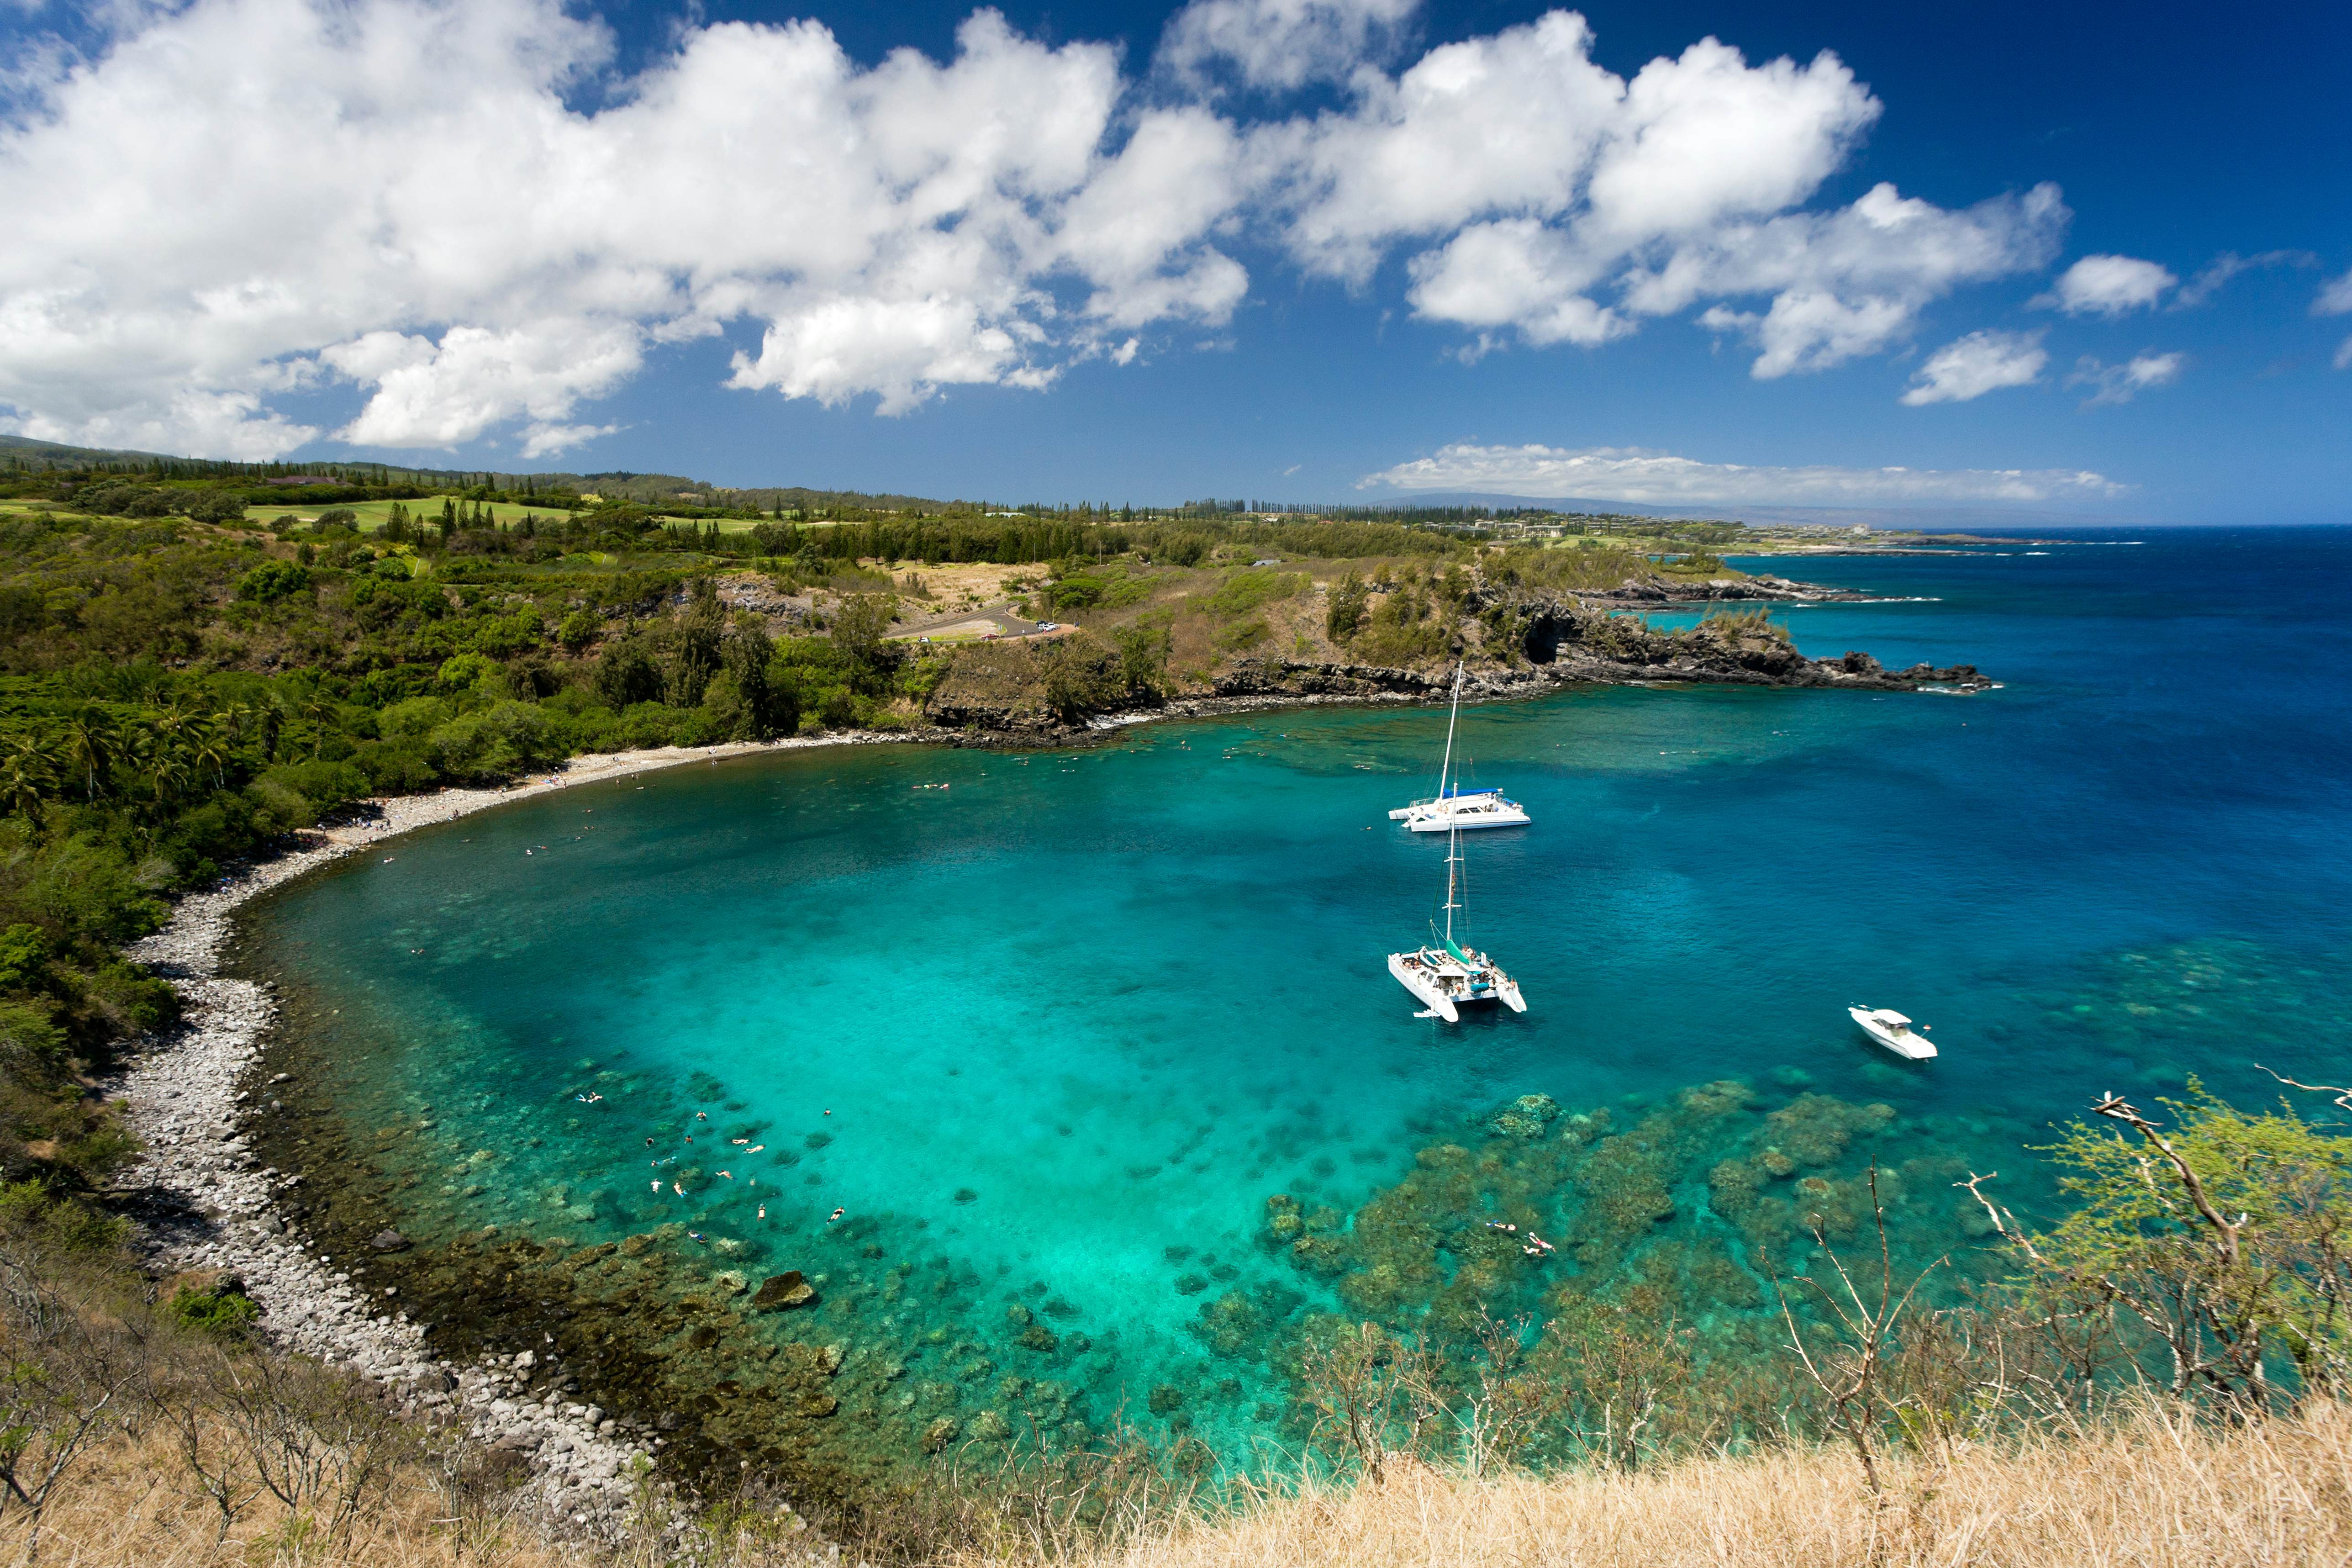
2117, 1108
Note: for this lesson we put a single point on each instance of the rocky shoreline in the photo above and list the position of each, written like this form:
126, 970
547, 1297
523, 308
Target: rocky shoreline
211, 1211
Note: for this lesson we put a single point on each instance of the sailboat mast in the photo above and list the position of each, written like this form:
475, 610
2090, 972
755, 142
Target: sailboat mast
1450, 718
1452, 826
1452, 861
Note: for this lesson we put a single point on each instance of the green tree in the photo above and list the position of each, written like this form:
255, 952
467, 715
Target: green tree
694, 645
2224, 1237
1143, 654
1345, 615
91, 748
626, 674
748, 653
27, 777
861, 630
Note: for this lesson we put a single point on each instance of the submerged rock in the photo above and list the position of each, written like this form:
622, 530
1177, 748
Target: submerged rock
790, 1289
388, 1241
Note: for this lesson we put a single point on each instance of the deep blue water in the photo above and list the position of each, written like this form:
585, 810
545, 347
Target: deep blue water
1070, 1021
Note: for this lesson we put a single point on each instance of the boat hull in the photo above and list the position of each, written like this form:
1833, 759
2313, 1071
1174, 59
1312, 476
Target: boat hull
1425, 990
1467, 821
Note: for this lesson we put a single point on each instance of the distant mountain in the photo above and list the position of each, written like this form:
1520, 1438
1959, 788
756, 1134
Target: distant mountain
1906, 518
50, 454
649, 488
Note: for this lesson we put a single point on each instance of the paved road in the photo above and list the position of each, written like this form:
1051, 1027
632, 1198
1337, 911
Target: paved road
1000, 612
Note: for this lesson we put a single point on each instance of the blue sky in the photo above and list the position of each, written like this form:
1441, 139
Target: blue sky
2044, 260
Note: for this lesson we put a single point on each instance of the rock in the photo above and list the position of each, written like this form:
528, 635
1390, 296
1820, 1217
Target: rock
388, 1241
786, 1290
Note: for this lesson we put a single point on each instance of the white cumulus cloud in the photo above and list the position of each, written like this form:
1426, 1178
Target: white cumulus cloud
1279, 43
1978, 364
1629, 474
2107, 286
401, 206
1561, 203
243, 195
2122, 382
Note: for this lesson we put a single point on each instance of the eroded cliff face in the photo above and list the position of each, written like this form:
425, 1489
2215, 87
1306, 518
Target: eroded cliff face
1516, 642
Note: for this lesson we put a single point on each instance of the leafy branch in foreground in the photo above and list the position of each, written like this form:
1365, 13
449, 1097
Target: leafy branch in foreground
2223, 1237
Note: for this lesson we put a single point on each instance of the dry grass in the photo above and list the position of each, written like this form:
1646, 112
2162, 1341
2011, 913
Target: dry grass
130, 1503
2157, 1492
134, 1503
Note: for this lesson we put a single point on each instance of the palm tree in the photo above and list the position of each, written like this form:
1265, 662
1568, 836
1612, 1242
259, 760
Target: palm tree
25, 779
207, 747
90, 746
154, 758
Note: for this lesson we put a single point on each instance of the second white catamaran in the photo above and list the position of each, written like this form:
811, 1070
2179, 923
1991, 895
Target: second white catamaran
1454, 806
1445, 975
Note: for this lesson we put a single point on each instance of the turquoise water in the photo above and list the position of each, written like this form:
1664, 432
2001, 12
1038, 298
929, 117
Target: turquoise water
1055, 1034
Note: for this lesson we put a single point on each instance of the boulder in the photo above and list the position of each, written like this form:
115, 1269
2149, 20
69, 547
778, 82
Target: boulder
790, 1289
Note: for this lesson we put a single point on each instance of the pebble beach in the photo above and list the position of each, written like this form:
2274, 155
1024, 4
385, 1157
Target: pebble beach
187, 1095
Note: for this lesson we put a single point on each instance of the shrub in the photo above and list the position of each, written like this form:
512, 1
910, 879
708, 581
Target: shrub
465, 673
497, 742
1251, 589
272, 581
222, 1312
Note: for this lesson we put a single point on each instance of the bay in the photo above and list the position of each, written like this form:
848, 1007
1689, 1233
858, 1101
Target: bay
1056, 1031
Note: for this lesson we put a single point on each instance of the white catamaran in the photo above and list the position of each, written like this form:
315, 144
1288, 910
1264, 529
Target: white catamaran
1454, 806
1445, 975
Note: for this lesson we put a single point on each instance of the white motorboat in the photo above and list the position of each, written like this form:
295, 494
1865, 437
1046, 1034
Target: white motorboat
1444, 975
1454, 806
1893, 1030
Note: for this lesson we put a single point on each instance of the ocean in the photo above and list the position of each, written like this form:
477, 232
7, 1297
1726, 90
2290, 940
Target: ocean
1074, 1081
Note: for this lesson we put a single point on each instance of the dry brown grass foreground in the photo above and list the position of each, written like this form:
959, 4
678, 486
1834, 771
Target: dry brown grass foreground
2159, 1490
2156, 1491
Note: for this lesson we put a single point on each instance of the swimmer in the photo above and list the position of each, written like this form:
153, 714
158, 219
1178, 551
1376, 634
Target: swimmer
694, 1235
677, 1189
657, 1185
739, 1141
755, 1148
649, 1142
764, 1211
729, 1175
702, 1116
836, 1215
